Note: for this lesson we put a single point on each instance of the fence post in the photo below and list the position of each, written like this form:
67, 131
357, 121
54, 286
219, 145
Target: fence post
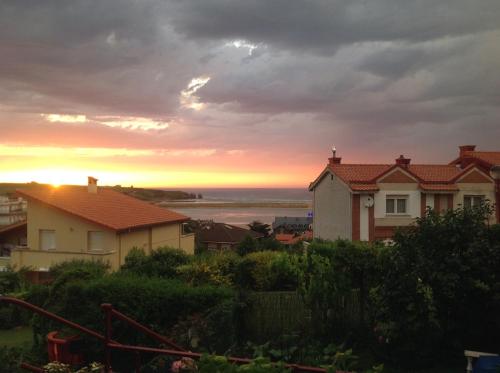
107, 308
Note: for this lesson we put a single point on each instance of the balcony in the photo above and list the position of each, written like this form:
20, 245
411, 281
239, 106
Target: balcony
42, 260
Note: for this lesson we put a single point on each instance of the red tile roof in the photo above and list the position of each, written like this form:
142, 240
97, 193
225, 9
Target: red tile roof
363, 177
439, 187
362, 173
107, 208
369, 173
434, 172
493, 158
364, 187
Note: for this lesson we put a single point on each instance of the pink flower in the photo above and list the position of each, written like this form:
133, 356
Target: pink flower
176, 366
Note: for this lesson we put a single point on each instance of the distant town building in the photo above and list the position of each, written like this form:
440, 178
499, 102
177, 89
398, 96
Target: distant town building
12, 210
220, 236
290, 239
292, 224
92, 223
368, 202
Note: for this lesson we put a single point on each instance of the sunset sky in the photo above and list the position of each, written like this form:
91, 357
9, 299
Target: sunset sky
170, 93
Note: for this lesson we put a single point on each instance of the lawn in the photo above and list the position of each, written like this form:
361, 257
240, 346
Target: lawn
17, 337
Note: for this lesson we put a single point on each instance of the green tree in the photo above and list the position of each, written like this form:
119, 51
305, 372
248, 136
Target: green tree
440, 289
260, 227
248, 245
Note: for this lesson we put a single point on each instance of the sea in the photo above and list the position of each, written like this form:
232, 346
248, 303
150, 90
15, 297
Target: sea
241, 216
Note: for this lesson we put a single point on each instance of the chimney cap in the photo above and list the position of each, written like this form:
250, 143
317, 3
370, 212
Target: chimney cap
92, 180
466, 148
403, 161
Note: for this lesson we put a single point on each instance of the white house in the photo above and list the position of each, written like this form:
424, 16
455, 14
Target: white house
368, 201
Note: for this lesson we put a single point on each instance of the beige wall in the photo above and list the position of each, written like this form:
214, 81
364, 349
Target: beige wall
71, 232
71, 239
155, 237
332, 209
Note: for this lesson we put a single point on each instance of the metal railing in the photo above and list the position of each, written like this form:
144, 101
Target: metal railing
109, 344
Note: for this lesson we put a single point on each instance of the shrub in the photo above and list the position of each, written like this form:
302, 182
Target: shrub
269, 271
10, 359
215, 269
155, 302
10, 281
92, 268
162, 262
439, 293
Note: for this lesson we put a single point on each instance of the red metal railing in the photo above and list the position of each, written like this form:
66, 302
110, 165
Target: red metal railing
109, 344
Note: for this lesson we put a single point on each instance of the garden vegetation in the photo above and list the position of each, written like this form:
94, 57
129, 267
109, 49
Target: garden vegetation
420, 301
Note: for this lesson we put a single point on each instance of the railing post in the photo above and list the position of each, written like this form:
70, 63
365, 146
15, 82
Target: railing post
107, 308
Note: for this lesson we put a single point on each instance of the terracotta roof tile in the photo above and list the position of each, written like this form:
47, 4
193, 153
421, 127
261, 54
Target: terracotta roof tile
368, 173
434, 172
359, 172
493, 158
439, 187
108, 208
364, 187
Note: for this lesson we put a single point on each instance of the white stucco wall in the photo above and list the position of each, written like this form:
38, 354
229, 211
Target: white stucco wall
410, 190
332, 209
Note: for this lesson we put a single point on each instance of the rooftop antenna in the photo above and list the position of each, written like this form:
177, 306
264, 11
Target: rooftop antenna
334, 150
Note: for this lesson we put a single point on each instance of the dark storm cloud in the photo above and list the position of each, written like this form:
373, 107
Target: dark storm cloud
298, 73
324, 25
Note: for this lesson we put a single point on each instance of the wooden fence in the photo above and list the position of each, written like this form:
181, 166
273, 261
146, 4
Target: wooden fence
273, 314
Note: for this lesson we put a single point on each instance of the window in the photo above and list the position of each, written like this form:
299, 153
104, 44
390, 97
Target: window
396, 205
95, 240
47, 239
472, 201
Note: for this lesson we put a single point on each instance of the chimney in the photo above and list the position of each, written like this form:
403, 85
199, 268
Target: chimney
466, 148
334, 159
402, 161
92, 185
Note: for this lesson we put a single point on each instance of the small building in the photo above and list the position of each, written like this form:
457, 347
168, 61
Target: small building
292, 224
290, 239
220, 236
91, 223
368, 202
12, 210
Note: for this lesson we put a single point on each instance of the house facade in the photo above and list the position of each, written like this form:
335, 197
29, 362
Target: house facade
367, 202
91, 223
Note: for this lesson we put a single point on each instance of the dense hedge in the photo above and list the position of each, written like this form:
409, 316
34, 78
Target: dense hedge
439, 291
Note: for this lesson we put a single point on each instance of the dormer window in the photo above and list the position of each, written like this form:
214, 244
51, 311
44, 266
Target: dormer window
396, 205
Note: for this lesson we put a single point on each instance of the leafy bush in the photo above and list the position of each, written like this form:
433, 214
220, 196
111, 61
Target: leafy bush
162, 262
10, 359
215, 269
269, 271
10, 281
155, 302
219, 364
247, 246
92, 268
440, 289
333, 273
